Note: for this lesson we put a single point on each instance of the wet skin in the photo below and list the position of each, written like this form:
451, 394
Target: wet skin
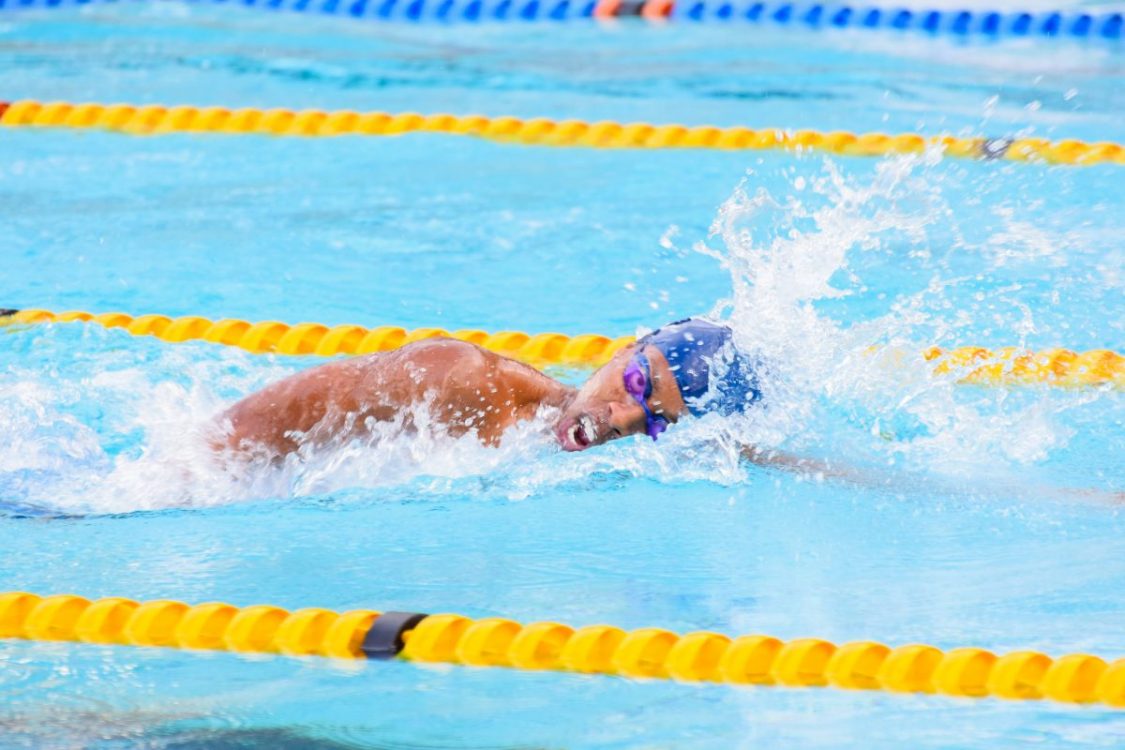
465, 388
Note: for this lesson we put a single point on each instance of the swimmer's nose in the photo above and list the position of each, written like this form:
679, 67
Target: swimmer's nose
626, 418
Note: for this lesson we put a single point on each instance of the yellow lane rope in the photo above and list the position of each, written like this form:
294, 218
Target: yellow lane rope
314, 338
155, 119
977, 365
652, 653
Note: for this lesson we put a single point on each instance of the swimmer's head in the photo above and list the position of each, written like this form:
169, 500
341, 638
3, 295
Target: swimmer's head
687, 367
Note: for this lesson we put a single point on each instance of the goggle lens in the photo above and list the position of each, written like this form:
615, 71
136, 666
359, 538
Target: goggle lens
638, 384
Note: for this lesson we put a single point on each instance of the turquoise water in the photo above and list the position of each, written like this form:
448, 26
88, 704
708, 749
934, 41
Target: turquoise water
987, 517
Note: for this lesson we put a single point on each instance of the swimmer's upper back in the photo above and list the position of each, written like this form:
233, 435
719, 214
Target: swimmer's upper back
463, 387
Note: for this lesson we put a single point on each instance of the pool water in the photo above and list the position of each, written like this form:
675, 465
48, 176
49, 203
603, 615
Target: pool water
986, 516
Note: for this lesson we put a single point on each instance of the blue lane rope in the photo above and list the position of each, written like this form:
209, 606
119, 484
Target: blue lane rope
953, 22
957, 23
380, 10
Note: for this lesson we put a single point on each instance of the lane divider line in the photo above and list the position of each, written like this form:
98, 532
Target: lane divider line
971, 364
320, 340
647, 653
155, 119
815, 16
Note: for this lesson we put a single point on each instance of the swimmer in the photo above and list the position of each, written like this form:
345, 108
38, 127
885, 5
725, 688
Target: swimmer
690, 367
684, 369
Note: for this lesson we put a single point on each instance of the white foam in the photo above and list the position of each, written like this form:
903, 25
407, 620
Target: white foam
130, 437
818, 367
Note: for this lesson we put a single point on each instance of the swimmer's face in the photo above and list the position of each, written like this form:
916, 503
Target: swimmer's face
603, 410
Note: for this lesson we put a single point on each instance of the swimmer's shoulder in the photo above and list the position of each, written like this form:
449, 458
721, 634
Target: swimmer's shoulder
443, 351
435, 362
469, 366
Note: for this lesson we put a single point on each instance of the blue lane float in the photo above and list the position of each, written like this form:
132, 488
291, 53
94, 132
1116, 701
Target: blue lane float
962, 23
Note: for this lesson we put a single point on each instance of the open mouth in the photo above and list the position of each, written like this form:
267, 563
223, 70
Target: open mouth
580, 434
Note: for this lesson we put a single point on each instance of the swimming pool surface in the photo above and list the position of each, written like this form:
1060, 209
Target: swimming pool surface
989, 517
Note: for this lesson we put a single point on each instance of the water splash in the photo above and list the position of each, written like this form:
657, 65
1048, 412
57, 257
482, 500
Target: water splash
107, 432
861, 392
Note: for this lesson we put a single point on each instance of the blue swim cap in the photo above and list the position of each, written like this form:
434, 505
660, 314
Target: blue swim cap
712, 374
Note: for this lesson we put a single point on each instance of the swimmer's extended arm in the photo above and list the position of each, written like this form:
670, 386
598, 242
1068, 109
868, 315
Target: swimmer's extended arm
814, 467
820, 470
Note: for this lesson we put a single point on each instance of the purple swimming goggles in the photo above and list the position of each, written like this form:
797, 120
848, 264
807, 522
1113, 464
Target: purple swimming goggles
638, 384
